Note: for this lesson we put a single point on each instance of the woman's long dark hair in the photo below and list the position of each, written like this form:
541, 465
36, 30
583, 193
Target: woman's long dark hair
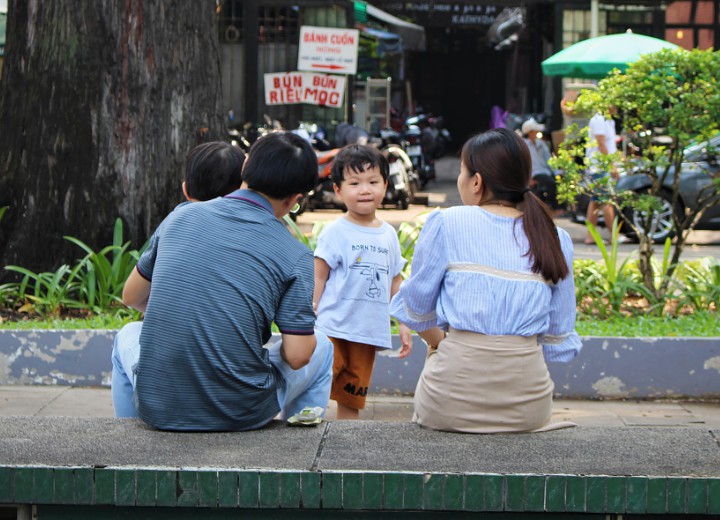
503, 161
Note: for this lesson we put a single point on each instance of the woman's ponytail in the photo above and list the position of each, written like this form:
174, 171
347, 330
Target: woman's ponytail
545, 250
503, 161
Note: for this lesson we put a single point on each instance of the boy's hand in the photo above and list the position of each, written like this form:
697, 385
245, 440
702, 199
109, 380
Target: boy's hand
406, 340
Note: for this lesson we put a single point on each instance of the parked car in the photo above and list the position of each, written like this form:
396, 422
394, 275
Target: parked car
702, 163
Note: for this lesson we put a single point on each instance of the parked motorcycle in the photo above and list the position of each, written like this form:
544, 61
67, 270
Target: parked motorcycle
236, 138
441, 135
419, 146
246, 134
402, 180
315, 134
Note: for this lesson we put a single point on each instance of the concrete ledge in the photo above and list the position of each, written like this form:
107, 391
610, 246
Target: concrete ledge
607, 368
359, 465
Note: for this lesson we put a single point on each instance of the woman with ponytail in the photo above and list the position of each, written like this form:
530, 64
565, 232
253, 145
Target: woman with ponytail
492, 294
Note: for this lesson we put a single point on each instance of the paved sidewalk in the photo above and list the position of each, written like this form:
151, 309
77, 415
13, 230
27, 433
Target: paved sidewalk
96, 402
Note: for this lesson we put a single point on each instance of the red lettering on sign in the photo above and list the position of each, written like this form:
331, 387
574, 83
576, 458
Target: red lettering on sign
324, 81
315, 38
342, 39
292, 81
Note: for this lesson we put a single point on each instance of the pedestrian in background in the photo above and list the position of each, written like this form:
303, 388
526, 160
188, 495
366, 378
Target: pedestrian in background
542, 180
601, 141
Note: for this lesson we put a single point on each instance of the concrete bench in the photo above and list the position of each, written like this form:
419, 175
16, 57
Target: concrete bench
62, 467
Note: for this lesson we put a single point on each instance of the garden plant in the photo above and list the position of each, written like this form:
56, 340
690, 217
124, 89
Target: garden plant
608, 291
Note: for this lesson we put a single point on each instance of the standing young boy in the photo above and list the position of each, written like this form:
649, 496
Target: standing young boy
357, 271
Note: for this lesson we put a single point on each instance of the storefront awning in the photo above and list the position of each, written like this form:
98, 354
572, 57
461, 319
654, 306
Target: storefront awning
388, 43
413, 36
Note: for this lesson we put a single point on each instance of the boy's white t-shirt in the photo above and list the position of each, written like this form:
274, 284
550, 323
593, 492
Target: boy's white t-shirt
355, 304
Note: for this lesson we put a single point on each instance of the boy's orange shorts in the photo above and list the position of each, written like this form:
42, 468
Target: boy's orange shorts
352, 370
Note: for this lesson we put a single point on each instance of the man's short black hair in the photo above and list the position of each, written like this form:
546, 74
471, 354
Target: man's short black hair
358, 157
281, 164
213, 170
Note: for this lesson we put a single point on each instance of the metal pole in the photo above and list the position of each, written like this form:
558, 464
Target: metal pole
251, 48
594, 18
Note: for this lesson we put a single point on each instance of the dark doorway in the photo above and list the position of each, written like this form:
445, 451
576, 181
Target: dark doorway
460, 78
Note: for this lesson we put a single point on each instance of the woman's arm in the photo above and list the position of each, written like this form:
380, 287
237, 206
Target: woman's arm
415, 303
561, 342
433, 337
403, 330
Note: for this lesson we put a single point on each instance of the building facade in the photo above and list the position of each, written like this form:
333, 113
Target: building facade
476, 54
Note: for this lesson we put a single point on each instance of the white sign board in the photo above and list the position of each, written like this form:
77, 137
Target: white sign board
326, 49
289, 88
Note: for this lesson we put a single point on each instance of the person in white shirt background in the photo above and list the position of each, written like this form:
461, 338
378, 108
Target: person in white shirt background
601, 140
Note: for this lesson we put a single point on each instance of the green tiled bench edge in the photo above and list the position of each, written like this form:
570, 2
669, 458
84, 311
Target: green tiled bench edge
258, 489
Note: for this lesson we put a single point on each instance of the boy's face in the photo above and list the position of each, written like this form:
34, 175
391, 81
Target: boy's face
362, 192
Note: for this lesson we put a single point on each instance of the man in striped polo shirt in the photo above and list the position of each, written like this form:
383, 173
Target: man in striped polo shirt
211, 284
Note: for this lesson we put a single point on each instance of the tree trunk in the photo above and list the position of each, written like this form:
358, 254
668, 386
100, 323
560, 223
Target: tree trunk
100, 103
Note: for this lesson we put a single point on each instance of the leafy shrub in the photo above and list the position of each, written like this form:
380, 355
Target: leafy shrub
101, 275
607, 290
94, 284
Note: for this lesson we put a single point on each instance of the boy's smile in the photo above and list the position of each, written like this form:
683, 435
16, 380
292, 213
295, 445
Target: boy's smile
362, 192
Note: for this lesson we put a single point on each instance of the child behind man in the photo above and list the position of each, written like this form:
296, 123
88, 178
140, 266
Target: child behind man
357, 271
212, 170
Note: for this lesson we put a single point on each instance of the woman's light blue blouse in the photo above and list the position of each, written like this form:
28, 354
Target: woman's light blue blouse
470, 271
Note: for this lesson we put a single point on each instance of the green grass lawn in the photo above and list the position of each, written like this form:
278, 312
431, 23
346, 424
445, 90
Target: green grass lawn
700, 324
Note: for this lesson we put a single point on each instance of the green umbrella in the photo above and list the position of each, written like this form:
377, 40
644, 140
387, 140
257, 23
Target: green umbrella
596, 57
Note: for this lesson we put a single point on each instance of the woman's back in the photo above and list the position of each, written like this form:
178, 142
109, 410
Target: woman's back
487, 283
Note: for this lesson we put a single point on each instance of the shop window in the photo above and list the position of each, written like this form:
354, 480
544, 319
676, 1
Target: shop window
678, 12
682, 36
705, 39
691, 24
577, 25
682, 13
275, 24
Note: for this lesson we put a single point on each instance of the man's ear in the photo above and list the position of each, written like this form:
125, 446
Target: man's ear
292, 200
184, 188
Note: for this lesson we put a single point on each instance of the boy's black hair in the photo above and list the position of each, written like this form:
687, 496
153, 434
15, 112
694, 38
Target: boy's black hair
213, 170
358, 157
281, 164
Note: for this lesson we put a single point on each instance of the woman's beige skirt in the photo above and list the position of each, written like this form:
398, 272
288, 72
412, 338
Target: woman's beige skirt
476, 383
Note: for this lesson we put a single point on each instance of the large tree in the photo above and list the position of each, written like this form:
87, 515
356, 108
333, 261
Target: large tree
100, 102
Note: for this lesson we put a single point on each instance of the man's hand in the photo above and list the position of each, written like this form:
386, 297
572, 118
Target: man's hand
406, 341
